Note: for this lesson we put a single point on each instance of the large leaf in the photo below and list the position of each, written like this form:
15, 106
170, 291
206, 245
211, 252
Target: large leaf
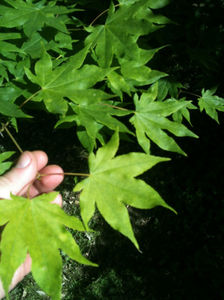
65, 80
211, 103
121, 31
111, 186
150, 122
32, 16
4, 166
37, 227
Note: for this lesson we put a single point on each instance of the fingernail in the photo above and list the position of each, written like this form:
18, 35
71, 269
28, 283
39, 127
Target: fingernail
24, 161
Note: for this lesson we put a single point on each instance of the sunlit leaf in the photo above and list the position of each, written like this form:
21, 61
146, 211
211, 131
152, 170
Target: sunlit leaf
38, 227
111, 186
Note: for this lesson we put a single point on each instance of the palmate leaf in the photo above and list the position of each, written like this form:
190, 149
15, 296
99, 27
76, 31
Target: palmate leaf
66, 80
4, 166
150, 122
166, 87
33, 16
92, 112
211, 103
118, 37
36, 226
111, 186
184, 112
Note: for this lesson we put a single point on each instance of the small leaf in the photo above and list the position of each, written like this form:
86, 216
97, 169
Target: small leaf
150, 122
7, 107
4, 166
211, 103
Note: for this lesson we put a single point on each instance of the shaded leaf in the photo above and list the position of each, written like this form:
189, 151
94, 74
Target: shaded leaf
65, 80
32, 16
4, 166
211, 104
118, 37
94, 111
7, 107
167, 87
150, 122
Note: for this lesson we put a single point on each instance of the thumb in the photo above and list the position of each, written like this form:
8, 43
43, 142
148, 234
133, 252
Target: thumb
20, 176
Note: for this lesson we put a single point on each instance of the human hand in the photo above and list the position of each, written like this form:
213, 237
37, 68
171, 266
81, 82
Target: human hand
18, 180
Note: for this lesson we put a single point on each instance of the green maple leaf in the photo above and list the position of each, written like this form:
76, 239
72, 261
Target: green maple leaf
121, 31
118, 84
4, 166
65, 80
33, 16
36, 226
8, 94
93, 111
211, 104
184, 112
6, 49
152, 3
138, 75
168, 87
150, 121
111, 186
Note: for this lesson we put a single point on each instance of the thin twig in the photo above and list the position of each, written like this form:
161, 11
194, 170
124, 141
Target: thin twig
64, 173
114, 106
28, 99
13, 139
4, 125
102, 13
189, 93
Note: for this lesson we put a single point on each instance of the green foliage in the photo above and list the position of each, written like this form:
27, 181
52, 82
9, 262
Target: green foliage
37, 227
4, 166
111, 188
211, 104
150, 119
99, 77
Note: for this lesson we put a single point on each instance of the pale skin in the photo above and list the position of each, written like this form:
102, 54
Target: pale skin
19, 180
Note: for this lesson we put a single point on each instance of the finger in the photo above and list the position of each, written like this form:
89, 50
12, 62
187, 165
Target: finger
41, 158
41, 161
58, 200
24, 172
47, 183
20, 273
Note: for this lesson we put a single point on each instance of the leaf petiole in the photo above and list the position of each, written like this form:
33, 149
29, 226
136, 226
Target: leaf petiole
63, 173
